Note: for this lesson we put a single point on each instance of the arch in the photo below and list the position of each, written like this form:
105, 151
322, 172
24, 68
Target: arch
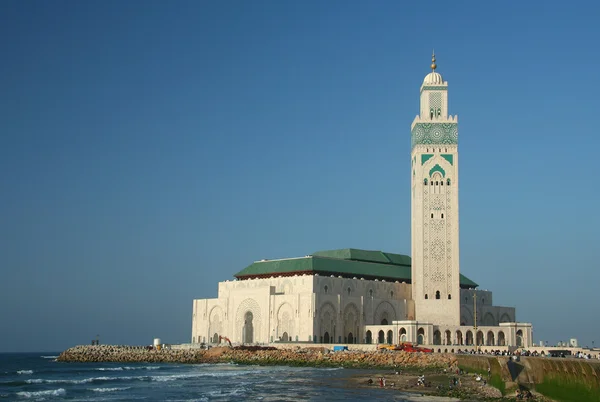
489, 320
421, 336
285, 319
459, 338
326, 337
469, 340
448, 337
520, 342
381, 338
386, 311
437, 168
490, 339
402, 334
285, 337
248, 328
480, 339
437, 294
215, 338
505, 318
215, 321
350, 338
351, 319
327, 318
437, 337
349, 287
426, 297
254, 324
501, 338
369, 339
390, 337
384, 321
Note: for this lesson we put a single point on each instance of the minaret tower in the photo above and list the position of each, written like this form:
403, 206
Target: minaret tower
434, 206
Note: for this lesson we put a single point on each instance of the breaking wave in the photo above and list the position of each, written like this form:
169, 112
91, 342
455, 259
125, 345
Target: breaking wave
37, 394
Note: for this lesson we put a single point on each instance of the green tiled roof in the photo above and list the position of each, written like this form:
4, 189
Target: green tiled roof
346, 262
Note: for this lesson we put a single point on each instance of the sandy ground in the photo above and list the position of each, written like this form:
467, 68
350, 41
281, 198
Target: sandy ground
437, 384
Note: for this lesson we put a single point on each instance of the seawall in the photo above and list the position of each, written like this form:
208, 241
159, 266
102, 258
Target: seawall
309, 356
562, 379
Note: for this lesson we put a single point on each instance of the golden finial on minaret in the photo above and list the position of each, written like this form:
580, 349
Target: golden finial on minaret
433, 65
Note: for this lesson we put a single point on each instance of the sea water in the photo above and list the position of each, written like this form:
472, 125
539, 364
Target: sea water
39, 377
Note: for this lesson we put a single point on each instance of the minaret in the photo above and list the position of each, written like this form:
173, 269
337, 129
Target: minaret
434, 207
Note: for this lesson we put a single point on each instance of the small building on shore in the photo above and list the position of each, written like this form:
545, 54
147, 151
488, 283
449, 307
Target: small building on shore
362, 296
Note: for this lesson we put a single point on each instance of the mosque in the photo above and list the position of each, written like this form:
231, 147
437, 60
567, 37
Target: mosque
354, 296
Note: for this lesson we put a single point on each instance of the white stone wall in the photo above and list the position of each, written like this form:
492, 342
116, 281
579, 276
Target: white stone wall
345, 306
280, 307
322, 309
487, 313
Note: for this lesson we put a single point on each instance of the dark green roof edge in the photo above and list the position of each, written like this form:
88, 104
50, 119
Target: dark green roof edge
347, 262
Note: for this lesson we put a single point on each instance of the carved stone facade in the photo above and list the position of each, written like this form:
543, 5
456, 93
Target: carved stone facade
435, 268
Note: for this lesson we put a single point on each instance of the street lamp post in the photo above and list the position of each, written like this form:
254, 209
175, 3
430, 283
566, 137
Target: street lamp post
475, 315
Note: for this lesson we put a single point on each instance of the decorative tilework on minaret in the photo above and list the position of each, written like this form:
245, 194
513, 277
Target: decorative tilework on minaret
434, 206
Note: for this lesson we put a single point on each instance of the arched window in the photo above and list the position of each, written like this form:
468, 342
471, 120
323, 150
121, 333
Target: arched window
426, 297
392, 293
482, 301
448, 182
349, 290
371, 292
425, 181
437, 183
431, 215
449, 296
325, 288
437, 294
442, 216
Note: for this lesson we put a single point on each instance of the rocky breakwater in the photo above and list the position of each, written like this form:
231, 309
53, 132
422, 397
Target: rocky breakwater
314, 357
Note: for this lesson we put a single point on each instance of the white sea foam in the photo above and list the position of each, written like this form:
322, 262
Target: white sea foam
128, 368
109, 389
37, 394
85, 380
49, 357
25, 372
234, 392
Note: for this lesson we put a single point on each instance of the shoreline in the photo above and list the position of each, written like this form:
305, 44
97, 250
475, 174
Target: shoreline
443, 378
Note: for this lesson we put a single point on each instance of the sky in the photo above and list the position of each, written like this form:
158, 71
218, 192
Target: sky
150, 150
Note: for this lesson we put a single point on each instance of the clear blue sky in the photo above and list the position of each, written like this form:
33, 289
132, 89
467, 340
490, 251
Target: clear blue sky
152, 149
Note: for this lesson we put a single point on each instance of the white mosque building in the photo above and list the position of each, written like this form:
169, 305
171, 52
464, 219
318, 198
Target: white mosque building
353, 296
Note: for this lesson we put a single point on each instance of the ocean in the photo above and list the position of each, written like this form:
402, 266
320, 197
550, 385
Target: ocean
39, 377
